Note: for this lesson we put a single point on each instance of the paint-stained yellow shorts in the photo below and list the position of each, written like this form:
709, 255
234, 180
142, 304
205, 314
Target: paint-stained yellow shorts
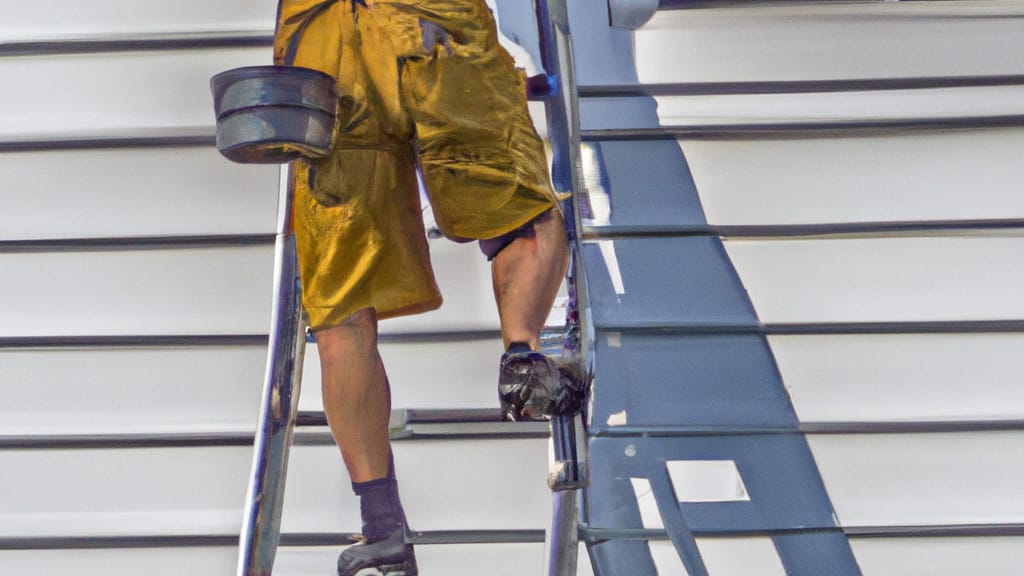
457, 110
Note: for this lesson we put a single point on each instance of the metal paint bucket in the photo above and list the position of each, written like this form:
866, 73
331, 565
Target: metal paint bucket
274, 114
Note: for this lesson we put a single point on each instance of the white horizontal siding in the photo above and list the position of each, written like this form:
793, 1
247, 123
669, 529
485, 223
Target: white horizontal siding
939, 556
500, 560
881, 106
136, 292
883, 279
464, 278
495, 559
118, 93
444, 374
445, 485
814, 41
204, 561
130, 390
103, 94
55, 391
181, 491
74, 19
877, 557
923, 479
197, 291
727, 556
456, 374
902, 377
958, 175
134, 192
117, 492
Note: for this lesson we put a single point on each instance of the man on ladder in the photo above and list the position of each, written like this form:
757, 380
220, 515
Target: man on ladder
423, 85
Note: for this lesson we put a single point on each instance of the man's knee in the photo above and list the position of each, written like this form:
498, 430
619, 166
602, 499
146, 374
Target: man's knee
357, 334
492, 246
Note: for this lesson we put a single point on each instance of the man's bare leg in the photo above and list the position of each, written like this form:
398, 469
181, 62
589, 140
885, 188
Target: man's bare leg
356, 396
357, 401
527, 275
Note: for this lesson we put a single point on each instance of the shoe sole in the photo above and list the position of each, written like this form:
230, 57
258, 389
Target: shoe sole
388, 570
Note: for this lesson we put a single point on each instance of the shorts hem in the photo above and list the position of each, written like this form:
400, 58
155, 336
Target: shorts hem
332, 317
521, 221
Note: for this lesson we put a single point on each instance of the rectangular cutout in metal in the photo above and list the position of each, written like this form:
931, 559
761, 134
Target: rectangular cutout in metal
650, 516
666, 559
707, 481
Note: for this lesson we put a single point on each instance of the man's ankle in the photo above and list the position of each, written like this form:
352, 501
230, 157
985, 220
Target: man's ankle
379, 507
518, 348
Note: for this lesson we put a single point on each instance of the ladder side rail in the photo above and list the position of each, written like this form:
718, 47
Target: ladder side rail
261, 529
561, 106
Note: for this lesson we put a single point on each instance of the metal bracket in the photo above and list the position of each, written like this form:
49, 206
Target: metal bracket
567, 471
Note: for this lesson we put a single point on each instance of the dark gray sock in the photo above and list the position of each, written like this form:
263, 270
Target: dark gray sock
379, 507
517, 347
